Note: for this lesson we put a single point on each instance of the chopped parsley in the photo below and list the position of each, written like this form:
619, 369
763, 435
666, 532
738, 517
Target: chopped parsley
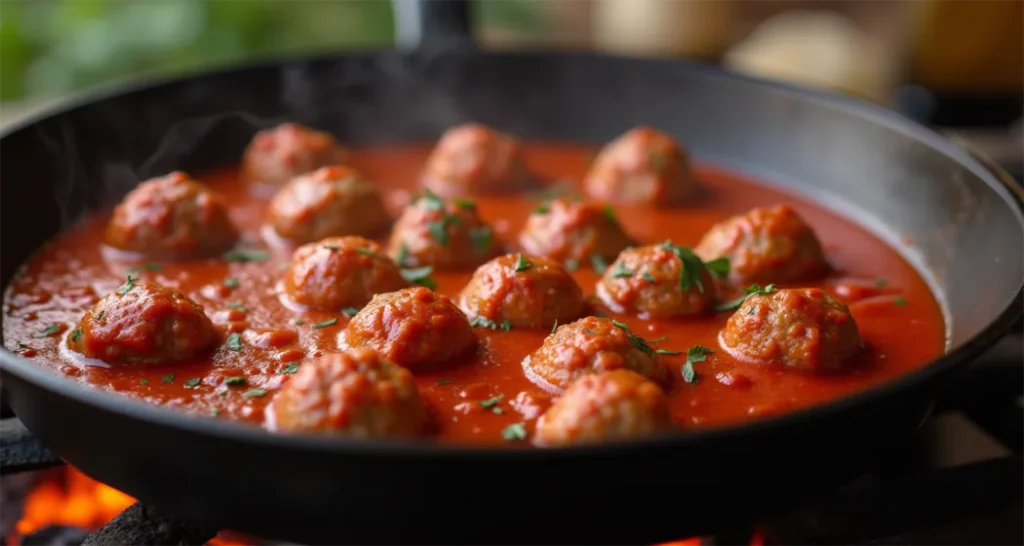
420, 276
491, 402
693, 266
77, 333
899, 301
657, 339
748, 291
298, 321
609, 213
443, 381
430, 200
326, 323
668, 352
350, 311
572, 265
881, 283
332, 248
483, 322
169, 378
636, 340
697, 353
403, 254
194, 382
235, 381
236, 306
514, 432
143, 382
542, 208
231, 282
290, 369
128, 285
598, 263
254, 393
365, 252
100, 315
47, 332
497, 411
481, 237
438, 229
246, 256
620, 271
235, 342
522, 264
554, 326
464, 203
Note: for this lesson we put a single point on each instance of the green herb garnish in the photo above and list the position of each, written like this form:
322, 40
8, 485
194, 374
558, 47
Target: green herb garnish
236, 306
75, 334
609, 213
522, 264
443, 381
420, 276
899, 301
350, 311
430, 200
491, 402
636, 340
403, 254
648, 277
668, 352
542, 208
572, 265
290, 369
235, 342
169, 378
143, 382
881, 283
481, 237
483, 322
599, 264
298, 321
697, 353
748, 291
148, 266
620, 271
326, 323
332, 248
366, 252
128, 285
514, 432
439, 228
235, 381
718, 267
246, 256
692, 266
192, 382
47, 332
254, 393
554, 326
231, 282
464, 203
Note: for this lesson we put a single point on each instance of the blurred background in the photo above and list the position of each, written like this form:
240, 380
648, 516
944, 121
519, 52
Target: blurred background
944, 62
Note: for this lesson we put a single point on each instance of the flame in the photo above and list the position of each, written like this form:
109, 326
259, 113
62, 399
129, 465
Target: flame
695, 541
68, 497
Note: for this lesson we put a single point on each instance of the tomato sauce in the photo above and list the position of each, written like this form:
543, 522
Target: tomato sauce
899, 319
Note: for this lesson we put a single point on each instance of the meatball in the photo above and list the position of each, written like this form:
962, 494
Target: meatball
571, 231
801, 329
474, 159
142, 323
612, 405
643, 166
766, 245
277, 155
658, 281
440, 233
526, 291
588, 346
327, 202
413, 327
354, 393
340, 272
171, 217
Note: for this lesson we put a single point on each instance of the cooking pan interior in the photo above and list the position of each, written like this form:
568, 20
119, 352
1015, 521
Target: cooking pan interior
948, 214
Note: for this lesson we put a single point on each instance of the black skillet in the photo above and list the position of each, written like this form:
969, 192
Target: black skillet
956, 218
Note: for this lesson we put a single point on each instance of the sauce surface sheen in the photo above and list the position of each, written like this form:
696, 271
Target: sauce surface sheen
898, 317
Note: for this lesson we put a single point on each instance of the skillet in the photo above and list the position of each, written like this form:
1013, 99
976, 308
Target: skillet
955, 217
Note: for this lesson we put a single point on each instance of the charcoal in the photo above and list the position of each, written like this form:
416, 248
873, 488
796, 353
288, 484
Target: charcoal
141, 524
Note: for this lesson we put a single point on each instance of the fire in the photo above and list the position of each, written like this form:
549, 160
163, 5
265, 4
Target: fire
65, 496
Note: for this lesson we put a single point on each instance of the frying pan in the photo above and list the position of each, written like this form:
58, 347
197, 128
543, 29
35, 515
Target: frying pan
956, 218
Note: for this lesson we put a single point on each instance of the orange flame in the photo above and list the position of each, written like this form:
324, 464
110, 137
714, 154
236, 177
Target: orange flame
68, 497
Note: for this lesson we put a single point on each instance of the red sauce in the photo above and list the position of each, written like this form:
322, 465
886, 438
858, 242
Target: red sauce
899, 319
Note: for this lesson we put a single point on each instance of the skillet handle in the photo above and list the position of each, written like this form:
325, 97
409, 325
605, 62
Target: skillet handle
20, 451
431, 24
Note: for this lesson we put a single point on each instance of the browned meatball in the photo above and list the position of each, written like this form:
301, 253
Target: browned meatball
526, 291
801, 329
643, 166
658, 281
171, 217
141, 323
766, 245
340, 272
588, 346
613, 405
444, 234
354, 393
571, 231
277, 155
474, 159
413, 327
327, 202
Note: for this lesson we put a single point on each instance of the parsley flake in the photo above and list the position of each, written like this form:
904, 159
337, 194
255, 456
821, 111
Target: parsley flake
332, 248
402, 255
481, 237
128, 285
298, 321
697, 353
350, 311
881, 283
290, 369
648, 277
246, 256
366, 252
254, 393
443, 381
554, 326
464, 203
143, 382
514, 432
194, 382
235, 381
430, 200
77, 333
522, 264
718, 267
235, 342
438, 229
620, 271
636, 340
506, 325
231, 282
899, 301
599, 264
748, 291
497, 411
169, 378
668, 352
236, 306
420, 276
326, 323
47, 332
609, 213
572, 265
491, 402
692, 266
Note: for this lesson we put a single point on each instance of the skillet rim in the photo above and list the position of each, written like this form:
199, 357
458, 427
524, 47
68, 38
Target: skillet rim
999, 182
